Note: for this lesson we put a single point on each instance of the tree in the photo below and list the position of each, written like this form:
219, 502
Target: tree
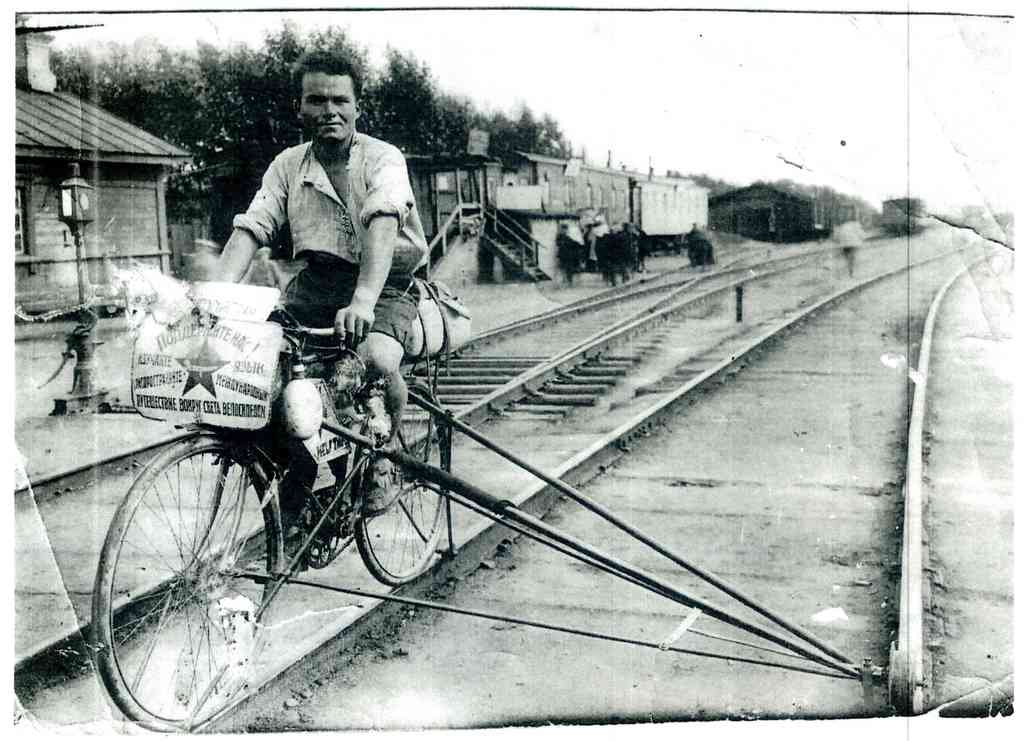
235, 109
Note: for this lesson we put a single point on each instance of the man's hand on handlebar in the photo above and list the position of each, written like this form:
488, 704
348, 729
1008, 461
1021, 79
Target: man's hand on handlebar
353, 323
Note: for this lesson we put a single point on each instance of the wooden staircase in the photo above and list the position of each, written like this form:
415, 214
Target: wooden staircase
513, 245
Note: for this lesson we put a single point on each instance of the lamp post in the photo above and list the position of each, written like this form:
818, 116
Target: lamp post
76, 209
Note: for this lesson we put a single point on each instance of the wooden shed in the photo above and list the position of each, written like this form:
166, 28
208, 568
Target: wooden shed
128, 168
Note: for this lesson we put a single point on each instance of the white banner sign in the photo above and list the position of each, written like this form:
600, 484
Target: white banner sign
218, 373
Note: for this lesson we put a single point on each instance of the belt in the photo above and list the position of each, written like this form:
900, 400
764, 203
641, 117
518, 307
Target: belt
325, 261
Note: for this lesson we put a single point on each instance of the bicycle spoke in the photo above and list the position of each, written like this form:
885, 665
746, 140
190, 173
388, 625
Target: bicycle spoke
152, 645
140, 621
166, 641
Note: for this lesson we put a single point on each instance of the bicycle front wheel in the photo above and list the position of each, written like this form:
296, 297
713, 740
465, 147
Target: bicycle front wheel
399, 544
177, 626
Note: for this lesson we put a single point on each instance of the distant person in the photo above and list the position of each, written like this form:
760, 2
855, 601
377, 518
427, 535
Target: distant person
849, 236
568, 252
595, 231
636, 247
699, 247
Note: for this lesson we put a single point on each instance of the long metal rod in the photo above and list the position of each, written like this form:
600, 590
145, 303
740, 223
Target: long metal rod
536, 624
610, 517
508, 509
583, 558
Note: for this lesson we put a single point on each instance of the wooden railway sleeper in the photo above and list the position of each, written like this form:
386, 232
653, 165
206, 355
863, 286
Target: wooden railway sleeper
527, 408
602, 380
475, 379
479, 389
598, 372
576, 400
563, 387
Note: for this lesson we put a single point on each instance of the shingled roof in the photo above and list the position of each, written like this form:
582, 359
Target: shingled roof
60, 125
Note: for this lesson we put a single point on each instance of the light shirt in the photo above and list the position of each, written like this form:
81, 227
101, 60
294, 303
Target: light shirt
850, 234
296, 191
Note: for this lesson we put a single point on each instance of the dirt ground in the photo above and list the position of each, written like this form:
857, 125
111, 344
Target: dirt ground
785, 481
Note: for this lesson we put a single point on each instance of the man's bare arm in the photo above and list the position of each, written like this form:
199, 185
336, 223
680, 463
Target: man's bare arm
236, 256
374, 266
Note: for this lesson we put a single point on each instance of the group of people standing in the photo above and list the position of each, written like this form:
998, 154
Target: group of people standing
618, 252
614, 252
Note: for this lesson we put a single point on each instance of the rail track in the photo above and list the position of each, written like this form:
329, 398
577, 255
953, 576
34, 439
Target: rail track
535, 593
607, 307
551, 385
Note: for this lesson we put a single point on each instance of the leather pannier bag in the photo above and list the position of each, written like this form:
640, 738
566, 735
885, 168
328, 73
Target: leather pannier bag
443, 323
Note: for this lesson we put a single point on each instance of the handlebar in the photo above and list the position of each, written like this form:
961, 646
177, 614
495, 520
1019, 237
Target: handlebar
316, 331
297, 331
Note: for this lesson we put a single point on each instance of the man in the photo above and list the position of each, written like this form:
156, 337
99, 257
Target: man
635, 246
347, 200
699, 247
849, 235
567, 252
595, 230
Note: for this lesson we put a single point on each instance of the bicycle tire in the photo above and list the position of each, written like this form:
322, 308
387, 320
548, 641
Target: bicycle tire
169, 552
398, 545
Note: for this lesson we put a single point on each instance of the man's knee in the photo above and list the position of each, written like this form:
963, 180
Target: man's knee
382, 354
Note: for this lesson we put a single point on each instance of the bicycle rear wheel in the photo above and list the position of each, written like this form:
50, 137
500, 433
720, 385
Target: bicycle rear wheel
177, 627
399, 544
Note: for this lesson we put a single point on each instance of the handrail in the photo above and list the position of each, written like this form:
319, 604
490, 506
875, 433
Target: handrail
528, 244
442, 237
526, 236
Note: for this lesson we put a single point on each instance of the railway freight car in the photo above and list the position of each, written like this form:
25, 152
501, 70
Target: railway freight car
663, 209
902, 215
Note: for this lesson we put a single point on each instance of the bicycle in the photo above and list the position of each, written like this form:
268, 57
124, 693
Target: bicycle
178, 617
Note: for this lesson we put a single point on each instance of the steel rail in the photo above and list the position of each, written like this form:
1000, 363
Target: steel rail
641, 425
582, 558
590, 303
457, 489
104, 461
623, 293
907, 676
531, 380
590, 504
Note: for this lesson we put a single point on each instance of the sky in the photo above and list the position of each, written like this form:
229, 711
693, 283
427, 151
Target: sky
873, 105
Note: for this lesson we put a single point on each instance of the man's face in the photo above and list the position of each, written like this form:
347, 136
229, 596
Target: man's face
328, 107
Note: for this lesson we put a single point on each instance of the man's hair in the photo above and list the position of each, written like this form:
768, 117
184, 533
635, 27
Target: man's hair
328, 63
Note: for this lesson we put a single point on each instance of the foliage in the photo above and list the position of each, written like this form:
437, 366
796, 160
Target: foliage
234, 109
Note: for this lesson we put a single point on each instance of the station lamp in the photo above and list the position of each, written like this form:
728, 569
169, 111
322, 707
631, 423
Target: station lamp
76, 207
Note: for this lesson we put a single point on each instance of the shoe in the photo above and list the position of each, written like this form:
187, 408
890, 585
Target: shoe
384, 486
293, 540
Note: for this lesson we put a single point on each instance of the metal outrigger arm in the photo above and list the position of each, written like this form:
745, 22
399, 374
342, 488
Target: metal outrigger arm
797, 642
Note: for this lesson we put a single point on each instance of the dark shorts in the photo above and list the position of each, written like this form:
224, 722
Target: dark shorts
327, 284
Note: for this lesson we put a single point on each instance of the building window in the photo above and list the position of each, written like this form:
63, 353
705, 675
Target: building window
568, 194
19, 222
590, 195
